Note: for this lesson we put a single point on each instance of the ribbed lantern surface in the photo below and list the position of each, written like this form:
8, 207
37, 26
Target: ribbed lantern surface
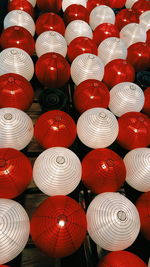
133, 33
101, 14
67, 3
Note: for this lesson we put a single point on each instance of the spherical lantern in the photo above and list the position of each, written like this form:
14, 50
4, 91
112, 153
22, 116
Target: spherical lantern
94, 3
145, 19
50, 5
130, 3
32, 2
126, 97
76, 12
134, 130
15, 228
112, 48
16, 60
77, 28
101, 14
23, 5
15, 91
19, 18
113, 221
52, 70
19, 37
16, 128
86, 66
97, 128
67, 3
126, 16
55, 128
64, 223
146, 108
141, 6
103, 31
50, 41
116, 3
91, 93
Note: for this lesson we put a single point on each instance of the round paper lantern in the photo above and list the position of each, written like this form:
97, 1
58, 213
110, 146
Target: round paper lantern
49, 22
16, 60
141, 6
16, 128
50, 41
19, 18
126, 97
23, 5
117, 71
55, 128
15, 91
67, 3
15, 172
146, 108
19, 37
130, 3
65, 226
52, 70
148, 37
103, 31
94, 3
77, 28
103, 171
15, 228
134, 130
81, 45
101, 14
87, 66
76, 12
145, 19
57, 171
97, 128
116, 3
50, 5
126, 16
91, 93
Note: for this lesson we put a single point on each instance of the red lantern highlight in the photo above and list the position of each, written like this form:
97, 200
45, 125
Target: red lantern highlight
126, 16
146, 108
74, 12
103, 31
23, 5
141, 6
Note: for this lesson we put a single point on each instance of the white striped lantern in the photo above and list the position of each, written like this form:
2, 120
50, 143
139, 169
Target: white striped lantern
101, 14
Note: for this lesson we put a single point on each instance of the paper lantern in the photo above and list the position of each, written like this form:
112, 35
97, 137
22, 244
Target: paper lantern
55, 128
16, 128
146, 108
103, 171
50, 41
32, 2
148, 37
77, 28
23, 5
138, 169
145, 19
87, 66
126, 16
97, 128
50, 5
112, 48
116, 3
103, 31
76, 12
19, 18
113, 221
16, 60
67, 3
134, 130
141, 6
52, 70
94, 3
101, 14
15, 228
64, 223
130, 3
15, 91
90, 94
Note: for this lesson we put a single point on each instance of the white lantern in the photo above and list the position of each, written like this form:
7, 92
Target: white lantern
16, 60
77, 28
97, 128
130, 3
112, 48
66, 3
144, 19
19, 18
14, 229
101, 14
16, 128
137, 163
32, 2
57, 171
133, 33
112, 221
50, 41
126, 97
87, 66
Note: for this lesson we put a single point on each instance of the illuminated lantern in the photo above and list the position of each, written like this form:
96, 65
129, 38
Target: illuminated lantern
116, 3
16, 60
87, 66
50, 5
15, 228
52, 70
130, 3
97, 128
141, 6
103, 171
76, 12
94, 3
90, 94
64, 223
16, 128
134, 130
55, 128
112, 221
50, 41
67, 3
148, 37
145, 19
23, 5
15, 91
19, 37
101, 14
146, 108
103, 31
32, 2
126, 16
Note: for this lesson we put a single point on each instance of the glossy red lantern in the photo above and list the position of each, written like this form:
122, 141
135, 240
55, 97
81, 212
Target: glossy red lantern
50, 5
103, 31
116, 3
52, 70
23, 5
126, 16
55, 128
148, 37
141, 6
146, 108
134, 130
17, 36
117, 71
74, 12
93, 3
64, 224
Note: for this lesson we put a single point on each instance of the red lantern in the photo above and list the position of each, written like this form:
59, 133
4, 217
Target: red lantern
116, 3
51, 5
141, 6
55, 128
148, 37
93, 3
74, 12
23, 5
103, 31
146, 108
64, 224
134, 130
126, 16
